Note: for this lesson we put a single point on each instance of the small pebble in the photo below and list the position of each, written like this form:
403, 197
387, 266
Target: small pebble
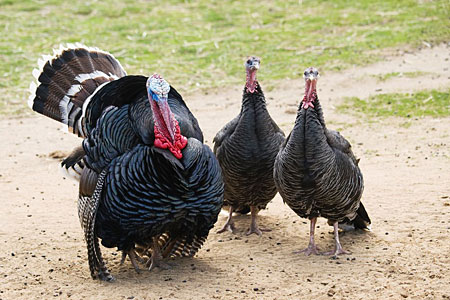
331, 292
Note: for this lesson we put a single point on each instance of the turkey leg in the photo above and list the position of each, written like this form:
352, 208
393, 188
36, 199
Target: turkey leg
312, 248
229, 225
337, 248
156, 260
133, 258
254, 224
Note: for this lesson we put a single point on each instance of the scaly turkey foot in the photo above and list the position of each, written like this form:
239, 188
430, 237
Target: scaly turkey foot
158, 263
133, 258
229, 225
334, 253
312, 249
254, 225
156, 259
257, 230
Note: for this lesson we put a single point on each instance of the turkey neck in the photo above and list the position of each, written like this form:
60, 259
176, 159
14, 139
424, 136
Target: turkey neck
308, 140
255, 100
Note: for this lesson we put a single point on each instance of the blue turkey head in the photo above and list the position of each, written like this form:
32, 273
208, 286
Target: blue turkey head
166, 128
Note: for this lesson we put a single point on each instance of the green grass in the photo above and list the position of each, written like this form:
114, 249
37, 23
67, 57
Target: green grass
199, 44
425, 103
386, 76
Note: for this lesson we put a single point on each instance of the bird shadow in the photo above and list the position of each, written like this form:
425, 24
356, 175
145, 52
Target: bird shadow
181, 271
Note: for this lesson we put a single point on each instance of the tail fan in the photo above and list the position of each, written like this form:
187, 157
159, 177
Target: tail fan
66, 81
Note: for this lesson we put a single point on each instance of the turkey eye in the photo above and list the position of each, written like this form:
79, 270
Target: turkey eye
249, 62
315, 73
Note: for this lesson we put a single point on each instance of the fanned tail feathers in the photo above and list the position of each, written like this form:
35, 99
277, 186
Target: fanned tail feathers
66, 81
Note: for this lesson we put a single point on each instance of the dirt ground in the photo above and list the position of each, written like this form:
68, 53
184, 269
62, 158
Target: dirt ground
406, 167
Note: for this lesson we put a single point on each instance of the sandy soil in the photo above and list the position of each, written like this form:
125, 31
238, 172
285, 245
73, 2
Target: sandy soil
406, 168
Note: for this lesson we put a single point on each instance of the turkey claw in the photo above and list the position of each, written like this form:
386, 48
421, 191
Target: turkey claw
159, 264
308, 251
228, 227
257, 230
334, 254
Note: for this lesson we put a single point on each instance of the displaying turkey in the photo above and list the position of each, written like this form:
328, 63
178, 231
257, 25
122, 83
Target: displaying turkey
146, 178
246, 148
316, 172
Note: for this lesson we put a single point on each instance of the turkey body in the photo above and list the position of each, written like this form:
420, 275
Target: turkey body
316, 172
246, 148
131, 192
147, 193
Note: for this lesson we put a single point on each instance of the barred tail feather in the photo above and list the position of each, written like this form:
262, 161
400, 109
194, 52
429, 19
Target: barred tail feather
66, 80
180, 247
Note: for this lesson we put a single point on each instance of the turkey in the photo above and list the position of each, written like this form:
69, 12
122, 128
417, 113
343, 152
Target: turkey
316, 172
147, 181
246, 148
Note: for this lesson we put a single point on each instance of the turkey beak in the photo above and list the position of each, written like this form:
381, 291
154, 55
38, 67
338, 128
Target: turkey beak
166, 114
255, 65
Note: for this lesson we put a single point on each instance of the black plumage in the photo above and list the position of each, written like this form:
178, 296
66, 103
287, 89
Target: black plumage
315, 171
246, 148
133, 193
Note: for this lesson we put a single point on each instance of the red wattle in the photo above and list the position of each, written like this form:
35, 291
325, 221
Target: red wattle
308, 101
163, 142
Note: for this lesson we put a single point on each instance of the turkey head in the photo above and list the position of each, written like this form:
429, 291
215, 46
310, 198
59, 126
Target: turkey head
251, 67
311, 76
167, 130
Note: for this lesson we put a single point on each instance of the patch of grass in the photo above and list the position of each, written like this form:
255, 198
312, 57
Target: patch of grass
198, 44
425, 103
386, 76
